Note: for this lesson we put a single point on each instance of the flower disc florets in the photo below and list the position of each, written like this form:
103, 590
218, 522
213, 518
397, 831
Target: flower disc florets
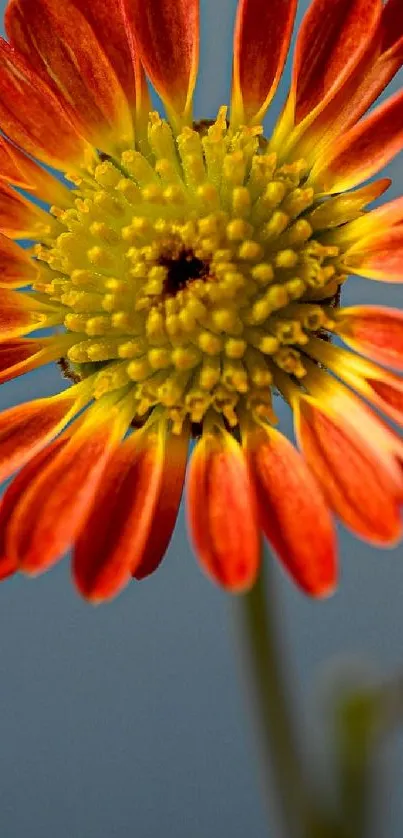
192, 274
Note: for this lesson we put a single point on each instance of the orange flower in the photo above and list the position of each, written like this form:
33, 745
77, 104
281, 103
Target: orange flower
185, 272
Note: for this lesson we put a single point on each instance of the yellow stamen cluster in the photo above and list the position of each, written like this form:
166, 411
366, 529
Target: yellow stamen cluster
192, 271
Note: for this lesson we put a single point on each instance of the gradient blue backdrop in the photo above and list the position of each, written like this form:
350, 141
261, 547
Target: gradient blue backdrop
127, 719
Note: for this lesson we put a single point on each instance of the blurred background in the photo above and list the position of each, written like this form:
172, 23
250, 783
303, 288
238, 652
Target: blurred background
129, 718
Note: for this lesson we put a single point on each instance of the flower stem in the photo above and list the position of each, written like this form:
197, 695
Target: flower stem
269, 699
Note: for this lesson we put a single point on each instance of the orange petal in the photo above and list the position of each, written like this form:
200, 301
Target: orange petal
375, 331
100, 569
26, 428
386, 445
20, 219
354, 482
167, 506
332, 38
32, 116
16, 268
381, 60
16, 489
21, 355
52, 511
292, 511
387, 215
10, 171
261, 41
385, 59
15, 321
124, 533
221, 511
74, 65
7, 566
166, 34
20, 314
379, 386
378, 257
18, 356
111, 32
20, 170
364, 150
372, 224
387, 394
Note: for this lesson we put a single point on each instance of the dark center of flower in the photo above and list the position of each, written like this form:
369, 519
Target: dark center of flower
181, 270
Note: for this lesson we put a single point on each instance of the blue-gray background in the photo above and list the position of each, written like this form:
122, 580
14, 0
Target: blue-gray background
128, 719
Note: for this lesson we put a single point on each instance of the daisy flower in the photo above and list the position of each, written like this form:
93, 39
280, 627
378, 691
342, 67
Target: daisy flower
182, 273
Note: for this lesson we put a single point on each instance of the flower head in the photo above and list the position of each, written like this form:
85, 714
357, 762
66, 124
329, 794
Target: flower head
182, 273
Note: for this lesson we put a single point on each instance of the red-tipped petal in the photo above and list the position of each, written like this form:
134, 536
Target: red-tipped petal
17, 357
7, 566
261, 41
381, 387
116, 42
132, 520
380, 62
73, 63
26, 428
364, 150
383, 59
372, 225
392, 24
167, 506
387, 394
292, 510
15, 321
389, 43
108, 25
353, 480
10, 171
379, 256
20, 219
166, 35
375, 331
100, 569
221, 511
16, 268
20, 314
32, 116
387, 215
18, 169
16, 489
52, 511
348, 409
332, 38
21, 355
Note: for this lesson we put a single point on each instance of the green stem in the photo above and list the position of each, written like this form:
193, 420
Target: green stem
268, 690
303, 812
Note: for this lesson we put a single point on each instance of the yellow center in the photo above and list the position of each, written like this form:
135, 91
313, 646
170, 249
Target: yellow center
192, 272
